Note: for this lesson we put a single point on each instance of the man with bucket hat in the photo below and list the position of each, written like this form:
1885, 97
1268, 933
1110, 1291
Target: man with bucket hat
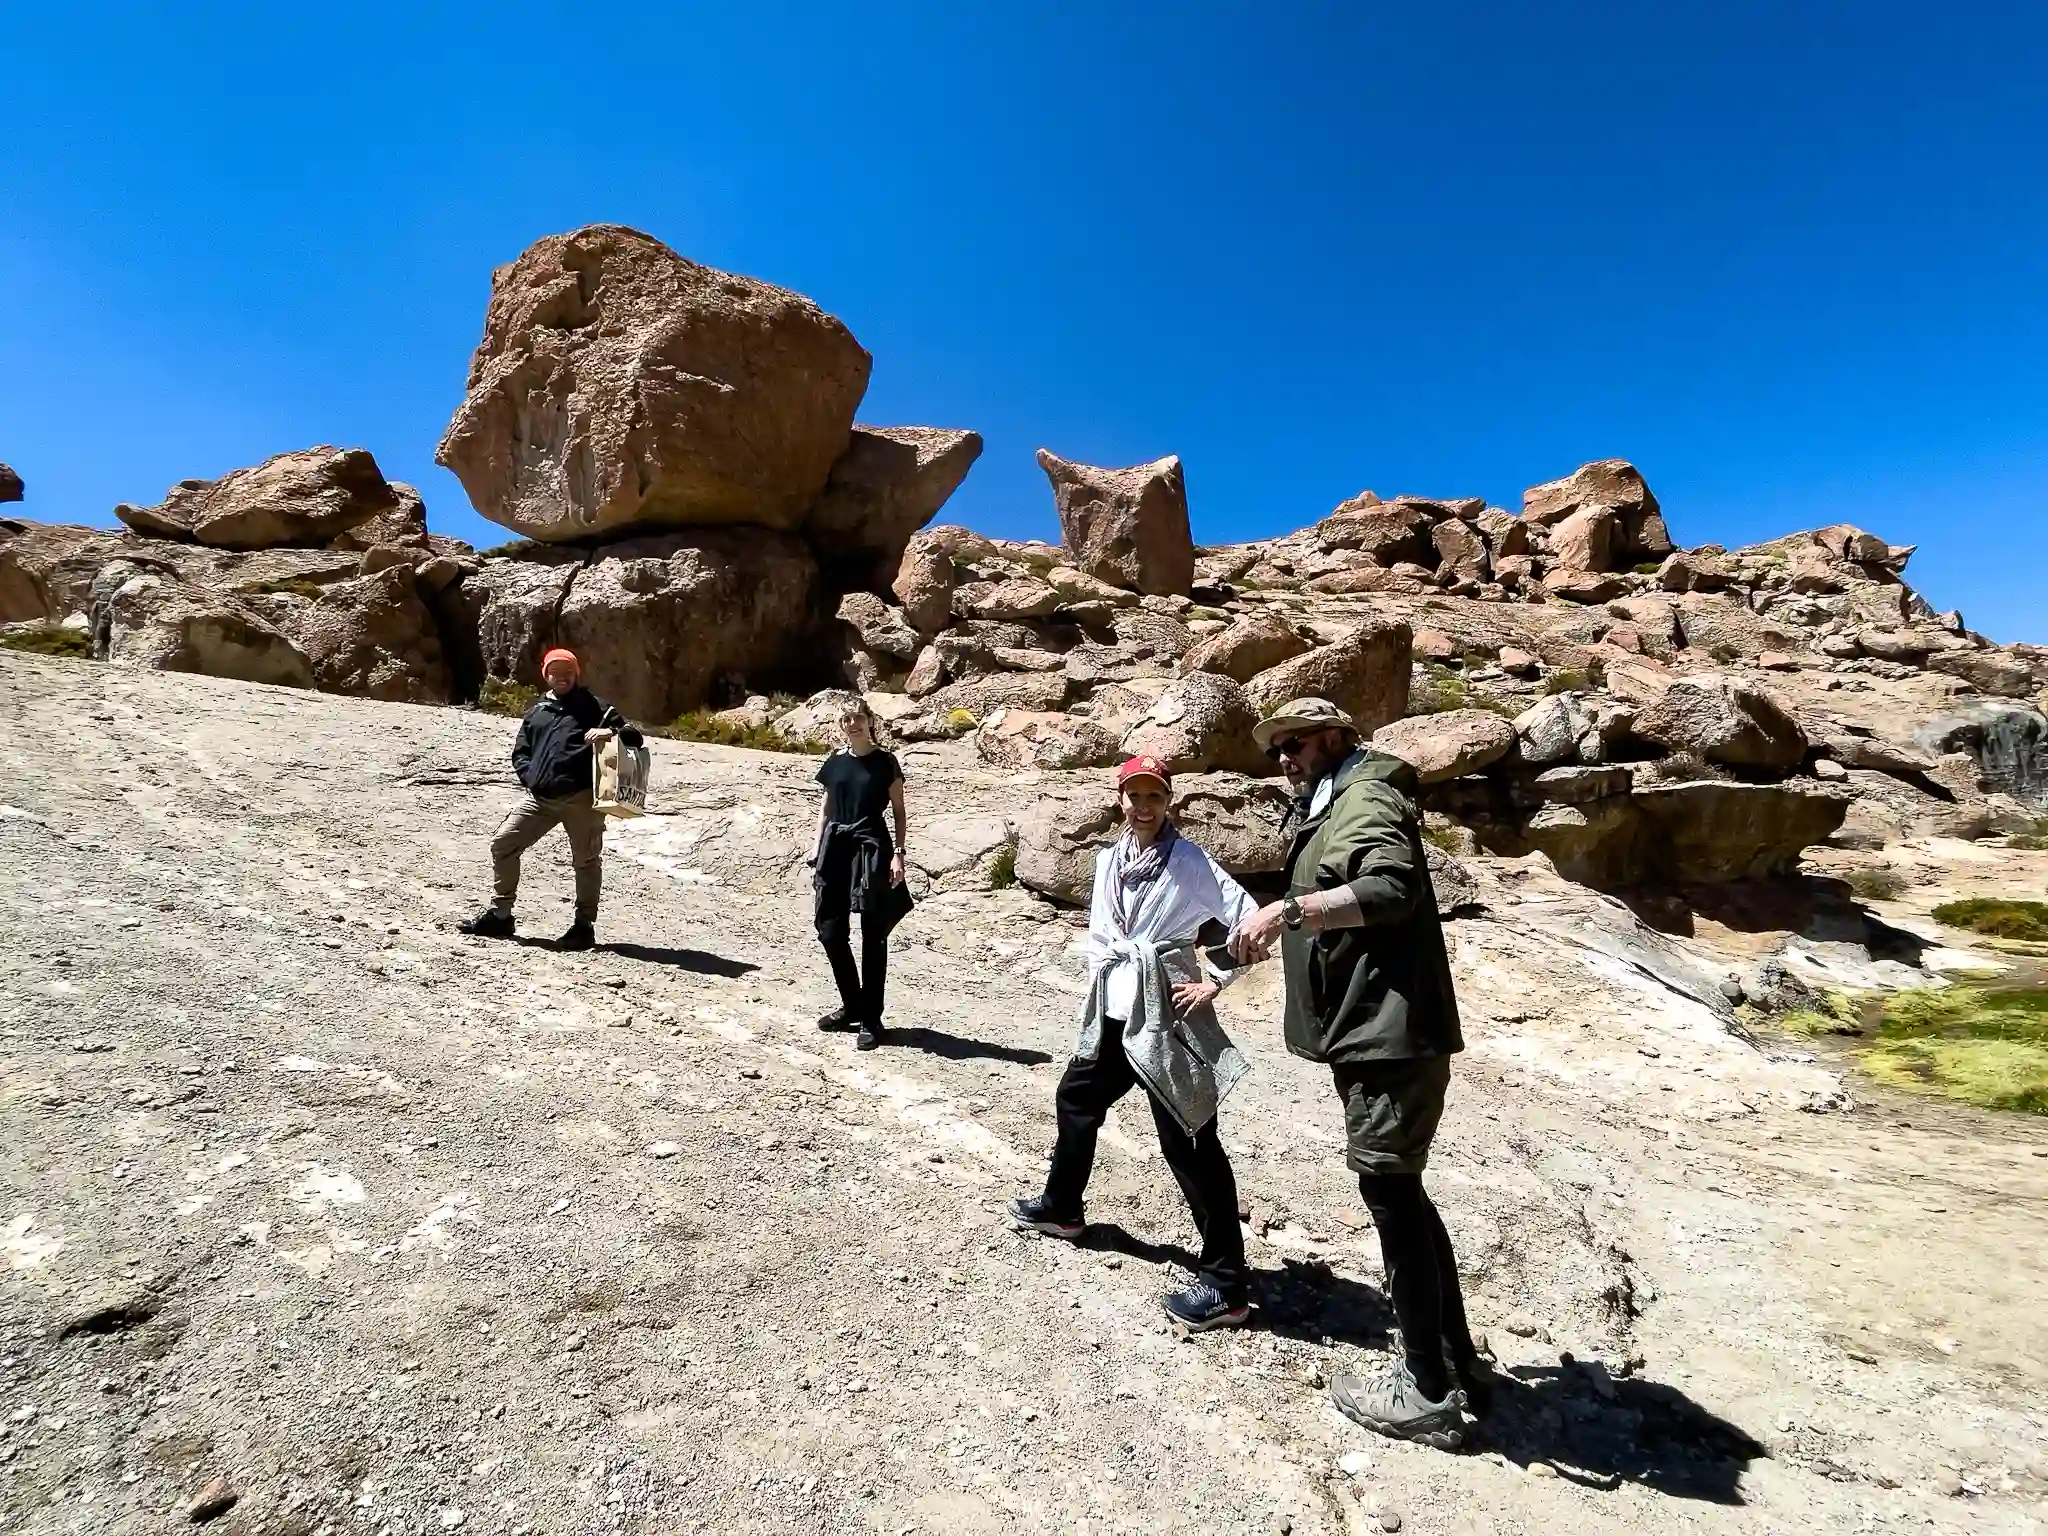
552, 757
1147, 1022
1369, 993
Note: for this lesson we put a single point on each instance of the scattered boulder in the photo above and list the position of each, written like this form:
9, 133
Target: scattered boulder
1586, 540
1077, 588
1451, 883
1201, 721
1447, 745
1549, 730
924, 583
305, 498
979, 697
887, 485
148, 617
1023, 598
1461, 552
1018, 739
1128, 527
1724, 719
1693, 571
1365, 674
1612, 483
878, 627
1385, 538
619, 387
1706, 832
1253, 643
1577, 586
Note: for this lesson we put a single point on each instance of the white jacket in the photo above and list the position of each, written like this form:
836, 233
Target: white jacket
1192, 890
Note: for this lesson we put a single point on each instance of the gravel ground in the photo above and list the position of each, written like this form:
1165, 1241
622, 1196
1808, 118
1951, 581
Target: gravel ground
325, 1217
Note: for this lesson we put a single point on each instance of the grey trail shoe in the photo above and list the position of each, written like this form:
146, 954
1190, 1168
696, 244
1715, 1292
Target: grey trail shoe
1389, 1403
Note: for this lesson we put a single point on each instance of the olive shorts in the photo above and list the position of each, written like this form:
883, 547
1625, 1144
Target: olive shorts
1391, 1111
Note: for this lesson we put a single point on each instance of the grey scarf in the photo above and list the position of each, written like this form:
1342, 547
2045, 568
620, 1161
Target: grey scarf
1134, 870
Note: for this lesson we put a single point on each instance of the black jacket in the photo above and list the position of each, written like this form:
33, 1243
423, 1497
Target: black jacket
551, 757
1381, 992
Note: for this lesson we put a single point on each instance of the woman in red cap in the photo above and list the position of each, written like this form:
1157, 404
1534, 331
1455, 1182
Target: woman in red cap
1148, 1021
552, 759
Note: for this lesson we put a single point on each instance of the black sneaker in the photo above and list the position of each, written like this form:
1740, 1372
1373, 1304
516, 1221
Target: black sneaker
579, 936
1032, 1214
488, 924
1202, 1307
871, 1035
838, 1018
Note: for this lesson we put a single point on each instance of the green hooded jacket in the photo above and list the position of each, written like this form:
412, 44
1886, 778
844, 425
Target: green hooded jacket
1381, 992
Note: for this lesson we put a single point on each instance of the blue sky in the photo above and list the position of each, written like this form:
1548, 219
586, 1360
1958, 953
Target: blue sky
1791, 259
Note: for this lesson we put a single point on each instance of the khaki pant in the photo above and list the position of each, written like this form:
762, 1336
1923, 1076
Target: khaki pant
530, 821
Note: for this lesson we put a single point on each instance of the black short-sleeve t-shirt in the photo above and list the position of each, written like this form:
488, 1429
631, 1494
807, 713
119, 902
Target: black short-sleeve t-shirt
857, 788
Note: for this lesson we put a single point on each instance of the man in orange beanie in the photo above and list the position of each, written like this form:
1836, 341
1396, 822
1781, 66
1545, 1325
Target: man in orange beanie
552, 759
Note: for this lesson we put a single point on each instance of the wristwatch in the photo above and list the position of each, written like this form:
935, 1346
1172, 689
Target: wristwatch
1291, 913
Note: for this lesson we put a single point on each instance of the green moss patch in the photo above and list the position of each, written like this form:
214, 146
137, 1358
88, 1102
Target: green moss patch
705, 725
49, 642
1984, 1046
503, 696
1998, 917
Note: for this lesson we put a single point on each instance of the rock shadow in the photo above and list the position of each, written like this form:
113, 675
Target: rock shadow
700, 961
1308, 1301
961, 1048
1646, 1433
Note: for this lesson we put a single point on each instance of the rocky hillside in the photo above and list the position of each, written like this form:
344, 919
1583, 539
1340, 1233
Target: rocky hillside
705, 523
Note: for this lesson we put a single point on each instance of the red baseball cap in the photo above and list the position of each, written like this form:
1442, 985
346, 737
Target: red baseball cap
1144, 766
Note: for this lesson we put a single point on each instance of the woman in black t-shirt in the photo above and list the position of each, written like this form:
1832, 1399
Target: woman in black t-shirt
858, 867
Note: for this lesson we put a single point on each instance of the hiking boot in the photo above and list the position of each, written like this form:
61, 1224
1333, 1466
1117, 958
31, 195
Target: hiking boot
1389, 1403
581, 935
1201, 1307
838, 1018
870, 1036
488, 924
1032, 1214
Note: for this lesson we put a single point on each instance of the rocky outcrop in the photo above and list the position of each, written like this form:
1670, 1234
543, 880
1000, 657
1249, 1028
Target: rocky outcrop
887, 485
11, 488
305, 498
1200, 722
660, 623
46, 569
403, 527
145, 616
1448, 745
619, 387
1364, 673
2007, 743
1128, 527
1637, 533
1724, 719
375, 638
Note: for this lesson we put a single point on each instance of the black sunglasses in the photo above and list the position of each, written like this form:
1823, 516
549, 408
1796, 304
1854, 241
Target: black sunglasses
1291, 747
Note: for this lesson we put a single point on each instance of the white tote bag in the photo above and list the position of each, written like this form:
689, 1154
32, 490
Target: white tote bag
619, 778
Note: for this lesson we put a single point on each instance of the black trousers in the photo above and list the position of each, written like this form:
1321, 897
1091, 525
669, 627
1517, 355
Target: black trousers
860, 991
1200, 1165
1422, 1277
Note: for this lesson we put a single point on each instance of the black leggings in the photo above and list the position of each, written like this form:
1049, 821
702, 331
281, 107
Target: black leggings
1422, 1277
859, 991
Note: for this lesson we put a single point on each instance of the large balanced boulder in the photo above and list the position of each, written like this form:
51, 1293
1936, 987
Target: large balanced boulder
1638, 534
1365, 673
11, 488
303, 498
145, 616
1128, 527
1447, 745
1199, 722
1724, 719
621, 387
888, 483
1706, 832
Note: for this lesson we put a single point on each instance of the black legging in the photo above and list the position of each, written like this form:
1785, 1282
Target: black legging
859, 991
1422, 1277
